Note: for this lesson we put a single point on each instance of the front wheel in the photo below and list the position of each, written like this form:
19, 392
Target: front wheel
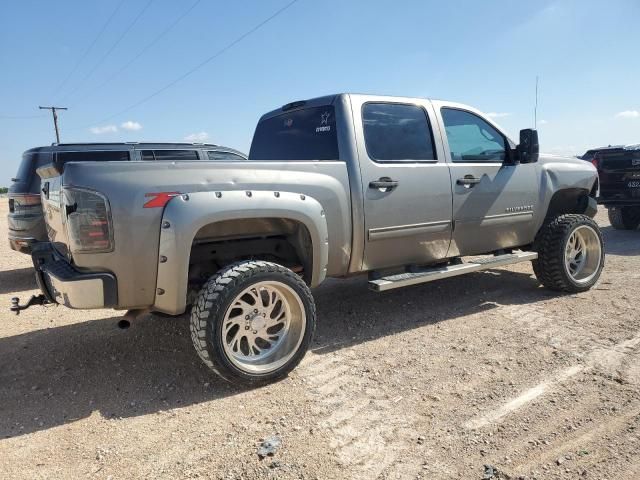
253, 322
570, 254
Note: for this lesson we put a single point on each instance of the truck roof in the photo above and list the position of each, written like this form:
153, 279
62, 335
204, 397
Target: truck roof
332, 99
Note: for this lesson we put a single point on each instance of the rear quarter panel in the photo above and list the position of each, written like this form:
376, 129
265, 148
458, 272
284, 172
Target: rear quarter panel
134, 259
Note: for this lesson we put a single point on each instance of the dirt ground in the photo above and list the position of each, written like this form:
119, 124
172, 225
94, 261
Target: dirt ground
433, 381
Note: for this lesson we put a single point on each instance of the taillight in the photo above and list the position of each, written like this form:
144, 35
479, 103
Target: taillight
22, 202
88, 220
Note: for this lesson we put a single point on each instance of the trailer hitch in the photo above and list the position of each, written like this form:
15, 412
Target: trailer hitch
34, 300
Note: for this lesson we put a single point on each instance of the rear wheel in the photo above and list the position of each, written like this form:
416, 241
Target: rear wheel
624, 218
570, 254
253, 322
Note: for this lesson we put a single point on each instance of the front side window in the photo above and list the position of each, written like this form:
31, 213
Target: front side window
305, 134
472, 139
169, 155
397, 132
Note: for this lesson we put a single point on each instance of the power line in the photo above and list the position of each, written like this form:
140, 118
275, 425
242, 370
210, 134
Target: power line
142, 52
200, 65
86, 52
20, 117
113, 47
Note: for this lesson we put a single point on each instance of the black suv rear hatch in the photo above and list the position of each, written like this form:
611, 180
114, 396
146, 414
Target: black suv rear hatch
619, 172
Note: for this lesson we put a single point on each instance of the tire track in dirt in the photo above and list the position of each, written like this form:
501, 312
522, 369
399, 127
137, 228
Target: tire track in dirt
580, 439
614, 362
365, 430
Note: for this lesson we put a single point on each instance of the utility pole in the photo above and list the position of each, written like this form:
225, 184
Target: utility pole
55, 119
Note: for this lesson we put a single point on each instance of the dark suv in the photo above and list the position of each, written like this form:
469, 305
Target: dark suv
619, 172
26, 223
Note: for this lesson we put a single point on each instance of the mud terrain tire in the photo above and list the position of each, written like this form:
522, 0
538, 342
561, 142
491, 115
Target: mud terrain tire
570, 253
253, 346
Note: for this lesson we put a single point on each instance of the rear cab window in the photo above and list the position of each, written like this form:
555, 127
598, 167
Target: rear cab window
304, 134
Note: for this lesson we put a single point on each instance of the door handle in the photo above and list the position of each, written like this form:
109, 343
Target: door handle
383, 183
468, 181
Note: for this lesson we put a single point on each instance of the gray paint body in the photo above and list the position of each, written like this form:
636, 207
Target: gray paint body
353, 228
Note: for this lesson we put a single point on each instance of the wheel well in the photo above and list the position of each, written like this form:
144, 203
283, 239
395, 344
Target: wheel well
280, 240
569, 200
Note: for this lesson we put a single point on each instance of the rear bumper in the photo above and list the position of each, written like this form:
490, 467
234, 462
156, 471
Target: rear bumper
619, 196
20, 244
24, 230
61, 283
619, 202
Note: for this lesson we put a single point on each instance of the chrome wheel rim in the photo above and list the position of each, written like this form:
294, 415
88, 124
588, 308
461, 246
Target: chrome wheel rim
263, 327
583, 254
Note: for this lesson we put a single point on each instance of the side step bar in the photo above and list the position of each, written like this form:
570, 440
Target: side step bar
428, 275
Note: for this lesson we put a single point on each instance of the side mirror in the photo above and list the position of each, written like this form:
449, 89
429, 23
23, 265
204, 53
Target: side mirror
529, 148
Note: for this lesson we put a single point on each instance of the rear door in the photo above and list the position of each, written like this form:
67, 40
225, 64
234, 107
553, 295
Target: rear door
405, 182
493, 199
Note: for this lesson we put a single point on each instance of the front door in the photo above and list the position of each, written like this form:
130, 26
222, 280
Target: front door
494, 199
406, 184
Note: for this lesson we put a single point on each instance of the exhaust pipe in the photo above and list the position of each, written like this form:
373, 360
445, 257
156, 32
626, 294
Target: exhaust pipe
125, 322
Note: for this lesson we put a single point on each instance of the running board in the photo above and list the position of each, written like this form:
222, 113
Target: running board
428, 275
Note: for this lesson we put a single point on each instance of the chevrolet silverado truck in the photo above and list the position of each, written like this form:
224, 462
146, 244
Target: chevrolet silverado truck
406, 190
619, 173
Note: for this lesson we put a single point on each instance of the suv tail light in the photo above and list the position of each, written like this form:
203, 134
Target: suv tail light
88, 220
23, 202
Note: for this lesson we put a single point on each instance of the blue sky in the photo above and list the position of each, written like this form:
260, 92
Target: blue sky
486, 54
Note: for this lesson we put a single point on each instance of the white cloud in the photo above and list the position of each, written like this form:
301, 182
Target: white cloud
497, 114
131, 125
197, 137
103, 129
542, 122
628, 114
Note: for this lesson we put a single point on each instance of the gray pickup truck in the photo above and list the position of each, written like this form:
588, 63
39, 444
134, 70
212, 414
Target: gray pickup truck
399, 188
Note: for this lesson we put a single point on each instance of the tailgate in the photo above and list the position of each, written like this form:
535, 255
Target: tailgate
619, 175
620, 165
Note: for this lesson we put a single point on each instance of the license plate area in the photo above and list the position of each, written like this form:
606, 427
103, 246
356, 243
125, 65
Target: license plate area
633, 184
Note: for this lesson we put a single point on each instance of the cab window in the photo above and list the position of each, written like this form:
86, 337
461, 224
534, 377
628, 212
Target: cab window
395, 132
472, 139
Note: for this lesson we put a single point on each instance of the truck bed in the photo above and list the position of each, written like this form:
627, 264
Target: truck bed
137, 229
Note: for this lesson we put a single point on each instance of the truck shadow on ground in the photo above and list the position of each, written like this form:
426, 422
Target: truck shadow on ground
17, 280
54, 376
621, 242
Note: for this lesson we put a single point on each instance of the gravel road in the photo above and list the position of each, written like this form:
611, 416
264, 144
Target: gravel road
482, 376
